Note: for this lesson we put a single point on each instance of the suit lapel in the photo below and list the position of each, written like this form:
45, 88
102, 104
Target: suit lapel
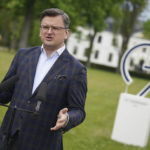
58, 66
33, 60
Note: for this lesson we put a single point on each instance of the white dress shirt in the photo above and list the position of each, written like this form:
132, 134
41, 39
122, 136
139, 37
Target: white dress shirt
45, 63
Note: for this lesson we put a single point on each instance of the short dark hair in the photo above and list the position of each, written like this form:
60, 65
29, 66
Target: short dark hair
52, 12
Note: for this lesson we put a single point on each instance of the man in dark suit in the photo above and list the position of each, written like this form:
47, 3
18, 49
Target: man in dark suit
66, 89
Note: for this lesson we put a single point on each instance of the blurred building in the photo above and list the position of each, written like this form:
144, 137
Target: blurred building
104, 51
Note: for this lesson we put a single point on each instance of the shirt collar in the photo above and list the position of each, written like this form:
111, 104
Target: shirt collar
58, 51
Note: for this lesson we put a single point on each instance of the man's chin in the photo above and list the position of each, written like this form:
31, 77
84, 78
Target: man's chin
48, 45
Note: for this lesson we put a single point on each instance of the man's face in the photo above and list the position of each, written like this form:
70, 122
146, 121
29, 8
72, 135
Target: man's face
52, 32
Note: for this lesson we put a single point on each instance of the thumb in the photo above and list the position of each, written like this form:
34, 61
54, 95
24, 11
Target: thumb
64, 110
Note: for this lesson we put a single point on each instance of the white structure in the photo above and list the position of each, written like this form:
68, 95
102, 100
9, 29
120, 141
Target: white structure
104, 52
141, 55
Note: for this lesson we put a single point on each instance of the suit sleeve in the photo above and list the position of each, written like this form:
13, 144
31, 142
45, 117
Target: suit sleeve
76, 99
5, 96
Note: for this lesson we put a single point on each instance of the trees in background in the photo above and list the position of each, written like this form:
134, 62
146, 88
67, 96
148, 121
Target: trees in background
20, 19
96, 12
23, 13
131, 10
125, 14
146, 29
20, 25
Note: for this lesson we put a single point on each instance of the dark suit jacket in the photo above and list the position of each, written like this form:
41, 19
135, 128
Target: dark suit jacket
67, 87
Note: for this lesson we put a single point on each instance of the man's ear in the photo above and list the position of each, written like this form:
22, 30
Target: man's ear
67, 32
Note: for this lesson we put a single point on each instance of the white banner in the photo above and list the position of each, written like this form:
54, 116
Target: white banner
132, 122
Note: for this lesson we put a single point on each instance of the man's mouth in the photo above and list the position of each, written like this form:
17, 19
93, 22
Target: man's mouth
49, 38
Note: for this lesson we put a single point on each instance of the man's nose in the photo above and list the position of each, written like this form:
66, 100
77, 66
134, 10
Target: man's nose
50, 30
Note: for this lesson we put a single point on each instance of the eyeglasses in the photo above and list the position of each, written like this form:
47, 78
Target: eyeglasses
53, 28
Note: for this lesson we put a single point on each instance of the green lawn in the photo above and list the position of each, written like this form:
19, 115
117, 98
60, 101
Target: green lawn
104, 89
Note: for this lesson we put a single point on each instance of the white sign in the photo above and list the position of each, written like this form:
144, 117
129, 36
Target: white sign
124, 69
132, 122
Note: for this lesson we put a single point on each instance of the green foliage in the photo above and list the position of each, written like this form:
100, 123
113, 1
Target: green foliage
96, 12
146, 28
15, 9
4, 25
131, 10
41, 5
34, 38
14, 4
117, 15
139, 2
90, 13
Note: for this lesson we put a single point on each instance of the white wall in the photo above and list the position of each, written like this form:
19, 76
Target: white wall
105, 48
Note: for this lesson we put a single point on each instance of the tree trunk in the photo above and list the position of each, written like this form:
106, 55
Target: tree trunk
13, 44
6, 36
128, 26
89, 50
123, 49
26, 25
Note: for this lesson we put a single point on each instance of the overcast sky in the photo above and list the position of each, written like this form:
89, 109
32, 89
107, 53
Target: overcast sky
146, 14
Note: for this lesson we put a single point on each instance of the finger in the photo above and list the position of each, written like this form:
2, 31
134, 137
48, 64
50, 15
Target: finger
61, 119
54, 128
57, 126
64, 110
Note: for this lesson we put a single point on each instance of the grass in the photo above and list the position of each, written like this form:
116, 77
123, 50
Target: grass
5, 61
104, 89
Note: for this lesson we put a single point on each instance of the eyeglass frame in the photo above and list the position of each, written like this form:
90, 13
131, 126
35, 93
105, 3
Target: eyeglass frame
53, 28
